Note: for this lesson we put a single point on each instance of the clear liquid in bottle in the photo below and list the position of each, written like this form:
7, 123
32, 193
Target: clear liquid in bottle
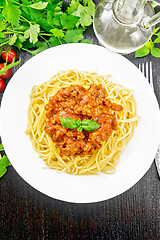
122, 37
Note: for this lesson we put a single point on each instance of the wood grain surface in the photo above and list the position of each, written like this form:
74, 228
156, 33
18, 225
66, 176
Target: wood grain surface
26, 214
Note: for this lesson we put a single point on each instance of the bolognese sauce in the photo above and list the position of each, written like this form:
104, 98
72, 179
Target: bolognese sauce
77, 102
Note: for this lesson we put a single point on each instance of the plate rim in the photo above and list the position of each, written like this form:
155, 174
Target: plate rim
43, 53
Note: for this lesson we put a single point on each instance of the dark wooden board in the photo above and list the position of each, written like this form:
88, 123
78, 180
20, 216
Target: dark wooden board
27, 214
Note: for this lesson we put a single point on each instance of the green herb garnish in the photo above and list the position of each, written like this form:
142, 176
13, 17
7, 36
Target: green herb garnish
8, 66
150, 46
34, 26
88, 124
4, 162
1, 147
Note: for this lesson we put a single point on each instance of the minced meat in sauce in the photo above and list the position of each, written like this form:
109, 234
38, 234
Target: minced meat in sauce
76, 102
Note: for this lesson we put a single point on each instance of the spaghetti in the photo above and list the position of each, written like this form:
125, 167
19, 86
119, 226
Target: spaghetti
107, 156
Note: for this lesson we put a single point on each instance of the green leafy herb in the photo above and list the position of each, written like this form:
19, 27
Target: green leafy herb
84, 13
1, 147
34, 26
32, 33
11, 12
6, 67
4, 162
150, 46
39, 5
68, 122
88, 124
12, 40
154, 4
155, 52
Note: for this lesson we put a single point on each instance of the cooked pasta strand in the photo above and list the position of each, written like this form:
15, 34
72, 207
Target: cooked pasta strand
106, 158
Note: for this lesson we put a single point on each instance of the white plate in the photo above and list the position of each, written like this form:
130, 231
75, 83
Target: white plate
137, 156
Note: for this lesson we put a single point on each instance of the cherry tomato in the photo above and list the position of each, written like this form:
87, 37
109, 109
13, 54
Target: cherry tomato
8, 55
6, 74
2, 84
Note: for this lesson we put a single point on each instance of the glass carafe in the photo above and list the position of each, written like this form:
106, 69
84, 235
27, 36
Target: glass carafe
124, 26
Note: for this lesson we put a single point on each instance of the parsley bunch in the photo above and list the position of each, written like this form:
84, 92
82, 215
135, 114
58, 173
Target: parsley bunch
34, 26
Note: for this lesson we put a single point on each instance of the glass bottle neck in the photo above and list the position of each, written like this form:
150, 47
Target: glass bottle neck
128, 11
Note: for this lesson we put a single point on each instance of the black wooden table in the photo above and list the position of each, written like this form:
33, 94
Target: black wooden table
28, 214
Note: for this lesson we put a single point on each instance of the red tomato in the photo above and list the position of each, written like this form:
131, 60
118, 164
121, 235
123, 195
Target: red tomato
6, 74
8, 55
2, 85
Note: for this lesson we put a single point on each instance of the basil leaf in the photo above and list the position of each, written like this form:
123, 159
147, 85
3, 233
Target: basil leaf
79, 129
4, 161
149, 44
90, 125
1, 147
3, 170
79, 123
155, 52
157, 40
144, 51
156, 30
68, 122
